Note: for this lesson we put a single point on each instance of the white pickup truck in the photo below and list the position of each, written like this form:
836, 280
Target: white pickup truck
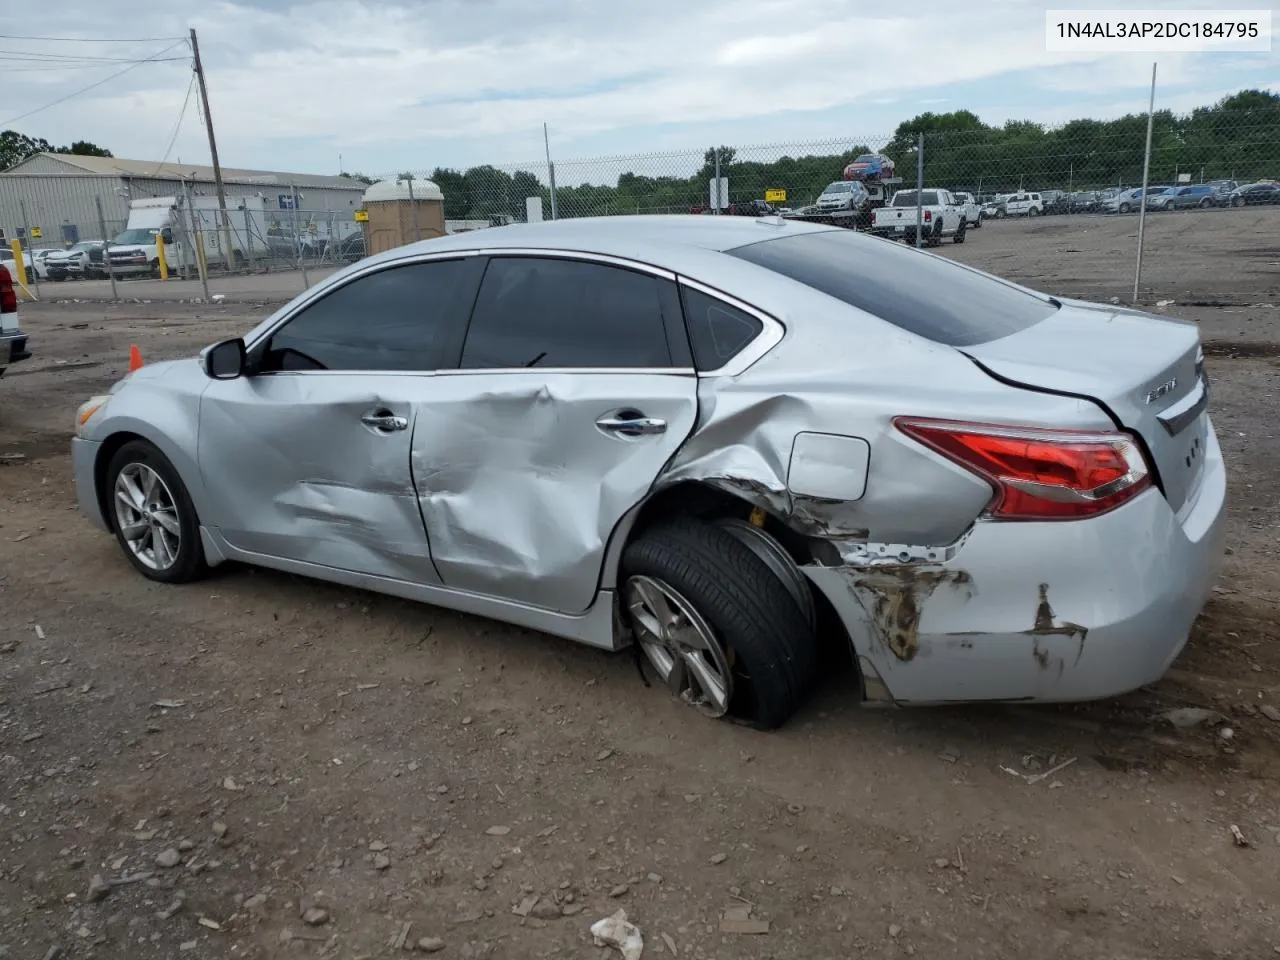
941, 216
972, 209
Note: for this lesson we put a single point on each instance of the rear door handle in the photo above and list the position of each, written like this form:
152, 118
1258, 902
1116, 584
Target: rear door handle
632, 426
384, 421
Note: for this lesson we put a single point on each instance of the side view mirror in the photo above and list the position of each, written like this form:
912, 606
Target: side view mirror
166, 235
225, 360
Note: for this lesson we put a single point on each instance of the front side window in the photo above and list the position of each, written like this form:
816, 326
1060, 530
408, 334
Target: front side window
544, 312
395, 319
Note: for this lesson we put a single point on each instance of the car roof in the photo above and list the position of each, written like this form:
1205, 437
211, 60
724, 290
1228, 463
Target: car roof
630, 237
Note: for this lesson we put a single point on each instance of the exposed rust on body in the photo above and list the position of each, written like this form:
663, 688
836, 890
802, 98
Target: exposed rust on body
1046, 626
893, 595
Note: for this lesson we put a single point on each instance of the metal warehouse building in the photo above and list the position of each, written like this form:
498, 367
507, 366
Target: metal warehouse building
55, 194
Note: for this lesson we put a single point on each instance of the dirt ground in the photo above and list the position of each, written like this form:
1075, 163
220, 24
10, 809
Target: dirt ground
264, 766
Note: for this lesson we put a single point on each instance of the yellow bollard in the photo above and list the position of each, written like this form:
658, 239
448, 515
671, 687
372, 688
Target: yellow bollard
20, 269
164, 264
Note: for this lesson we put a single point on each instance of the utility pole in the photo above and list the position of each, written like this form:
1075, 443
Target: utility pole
213, 150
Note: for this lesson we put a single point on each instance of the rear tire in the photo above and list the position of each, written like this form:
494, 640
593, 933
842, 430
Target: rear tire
1033, 212
765, 638
158, 530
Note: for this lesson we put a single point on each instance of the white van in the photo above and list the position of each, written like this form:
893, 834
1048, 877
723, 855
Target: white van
134, 251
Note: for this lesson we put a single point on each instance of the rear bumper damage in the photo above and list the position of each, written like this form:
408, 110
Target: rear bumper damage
1047, 612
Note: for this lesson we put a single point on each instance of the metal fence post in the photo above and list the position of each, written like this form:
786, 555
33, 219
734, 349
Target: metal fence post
1142, 199
248, 237
297, 238
106, 259
26, 232
715, 207
919, 187
551, 170
202, 268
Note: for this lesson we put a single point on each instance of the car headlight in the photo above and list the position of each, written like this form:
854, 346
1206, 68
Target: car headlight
88, 410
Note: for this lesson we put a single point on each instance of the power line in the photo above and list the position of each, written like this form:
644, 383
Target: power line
97, 83
178, 126
58, 57
15, 36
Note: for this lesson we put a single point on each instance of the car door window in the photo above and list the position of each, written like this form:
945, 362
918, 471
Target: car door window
395, 319
546, 312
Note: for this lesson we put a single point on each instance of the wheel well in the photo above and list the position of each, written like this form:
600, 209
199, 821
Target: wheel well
108, 450
694, 499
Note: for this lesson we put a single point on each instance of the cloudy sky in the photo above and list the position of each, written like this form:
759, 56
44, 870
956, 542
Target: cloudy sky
396, 84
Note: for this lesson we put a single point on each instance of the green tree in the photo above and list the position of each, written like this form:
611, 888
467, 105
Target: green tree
16, 147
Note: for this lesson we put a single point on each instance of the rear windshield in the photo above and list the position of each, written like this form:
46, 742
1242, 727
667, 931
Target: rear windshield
924, 294
907, 198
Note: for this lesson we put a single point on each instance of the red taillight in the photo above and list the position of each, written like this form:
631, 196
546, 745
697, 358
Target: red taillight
928, 215
1040, 474
8, 295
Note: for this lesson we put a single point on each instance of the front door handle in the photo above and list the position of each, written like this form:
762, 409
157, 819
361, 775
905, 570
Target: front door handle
632, 426
384, 421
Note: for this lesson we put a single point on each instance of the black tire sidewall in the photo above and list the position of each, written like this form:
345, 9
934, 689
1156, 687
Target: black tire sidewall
190, 563
749, 608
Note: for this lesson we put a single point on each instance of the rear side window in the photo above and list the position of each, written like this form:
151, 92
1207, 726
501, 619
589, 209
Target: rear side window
718, 332
926, 295
543, 312
907, 198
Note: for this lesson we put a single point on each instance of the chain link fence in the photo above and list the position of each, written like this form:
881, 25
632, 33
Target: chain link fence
1075, 168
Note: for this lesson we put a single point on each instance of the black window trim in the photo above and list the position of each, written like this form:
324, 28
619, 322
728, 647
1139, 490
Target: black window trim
255, 346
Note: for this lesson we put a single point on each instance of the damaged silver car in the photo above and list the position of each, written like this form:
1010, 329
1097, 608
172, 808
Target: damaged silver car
717, 438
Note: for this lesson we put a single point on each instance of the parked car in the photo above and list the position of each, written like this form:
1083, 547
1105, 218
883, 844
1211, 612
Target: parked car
939, 216
1083, 201
843, 195
28, 269
995, 207
870, 166
1129, 200
1024, 204
352, 248
751, 208
1253, 194
688, 432
1054, 201
1183, 198
13, 342
39, 262
972, 210
83, 260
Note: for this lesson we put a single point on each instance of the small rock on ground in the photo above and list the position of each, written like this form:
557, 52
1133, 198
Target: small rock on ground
430, 944
168, 858
315, 917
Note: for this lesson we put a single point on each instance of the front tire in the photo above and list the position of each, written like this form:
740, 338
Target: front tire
960, 231
152, 515
1124, 208
720, 628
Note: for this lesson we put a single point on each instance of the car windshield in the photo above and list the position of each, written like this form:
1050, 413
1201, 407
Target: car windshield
840, 186
867, 158
84, 245
926, 295
136, 236
907, 198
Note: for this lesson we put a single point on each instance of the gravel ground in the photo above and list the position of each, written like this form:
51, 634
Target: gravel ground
263, 766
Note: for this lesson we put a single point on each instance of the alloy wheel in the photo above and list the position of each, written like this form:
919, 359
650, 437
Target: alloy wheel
680, 645
147, 516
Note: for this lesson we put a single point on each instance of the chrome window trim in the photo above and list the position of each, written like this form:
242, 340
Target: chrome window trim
770, 335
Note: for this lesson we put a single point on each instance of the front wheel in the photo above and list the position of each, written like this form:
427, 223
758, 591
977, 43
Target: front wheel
1000, 213
1237, 201
152, 515
718, 623
1206, 203
977, 224
1124, 208
959, 234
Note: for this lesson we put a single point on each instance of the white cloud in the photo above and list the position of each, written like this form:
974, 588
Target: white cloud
294, 83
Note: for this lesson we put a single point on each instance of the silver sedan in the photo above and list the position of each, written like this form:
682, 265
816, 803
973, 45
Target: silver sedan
717, 438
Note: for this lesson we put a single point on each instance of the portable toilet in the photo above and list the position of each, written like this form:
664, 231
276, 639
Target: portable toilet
402, 211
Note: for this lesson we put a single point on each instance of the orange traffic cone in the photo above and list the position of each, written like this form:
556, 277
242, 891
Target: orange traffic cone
135, 358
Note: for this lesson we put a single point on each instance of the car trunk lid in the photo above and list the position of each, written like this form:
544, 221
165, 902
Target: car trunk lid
1146, 371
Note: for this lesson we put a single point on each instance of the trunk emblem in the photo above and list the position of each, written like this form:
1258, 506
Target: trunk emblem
1155, 393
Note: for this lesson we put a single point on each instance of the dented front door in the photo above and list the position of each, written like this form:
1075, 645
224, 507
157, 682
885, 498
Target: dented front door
314, 466
524, 475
